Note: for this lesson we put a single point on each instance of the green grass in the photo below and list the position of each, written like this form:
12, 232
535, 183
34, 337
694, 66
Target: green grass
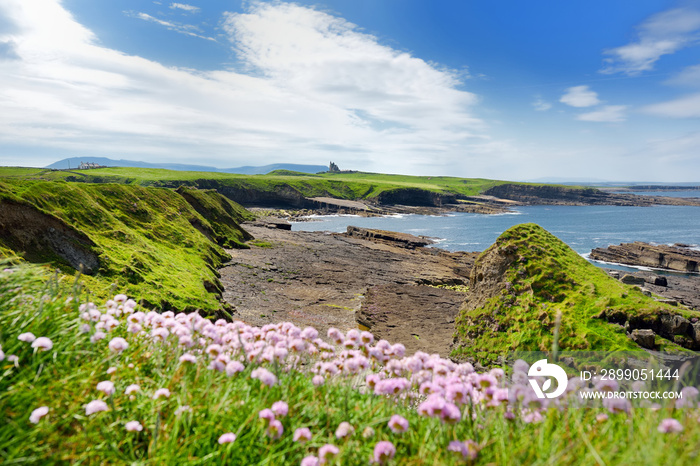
349, 185
161, 246
65, 378
546, 277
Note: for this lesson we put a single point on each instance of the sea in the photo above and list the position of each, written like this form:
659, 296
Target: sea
583, 228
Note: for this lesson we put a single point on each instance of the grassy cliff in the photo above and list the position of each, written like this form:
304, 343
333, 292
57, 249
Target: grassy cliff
279, 184
525, 279
161, 246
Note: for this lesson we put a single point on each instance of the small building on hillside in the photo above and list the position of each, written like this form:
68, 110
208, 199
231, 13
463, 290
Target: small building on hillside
89, 165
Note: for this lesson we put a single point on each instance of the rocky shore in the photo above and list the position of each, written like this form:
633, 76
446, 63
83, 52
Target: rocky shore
389, 283
680, 258
336, 280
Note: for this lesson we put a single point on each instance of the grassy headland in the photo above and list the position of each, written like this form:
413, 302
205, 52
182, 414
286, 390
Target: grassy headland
343, 185
160, 245
526, 278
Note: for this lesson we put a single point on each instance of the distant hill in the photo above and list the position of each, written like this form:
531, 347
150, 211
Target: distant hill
73, 162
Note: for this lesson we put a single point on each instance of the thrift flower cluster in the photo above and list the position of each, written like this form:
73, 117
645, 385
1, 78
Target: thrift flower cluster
437, 387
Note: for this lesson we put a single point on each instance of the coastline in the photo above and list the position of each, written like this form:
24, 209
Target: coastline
406, 294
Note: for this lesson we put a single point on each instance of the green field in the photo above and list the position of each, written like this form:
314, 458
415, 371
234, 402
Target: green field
344, 185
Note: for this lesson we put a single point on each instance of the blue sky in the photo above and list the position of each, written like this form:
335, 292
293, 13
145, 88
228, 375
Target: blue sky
606, 90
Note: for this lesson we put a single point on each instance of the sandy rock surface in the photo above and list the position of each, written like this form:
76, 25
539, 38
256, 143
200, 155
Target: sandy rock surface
320, 280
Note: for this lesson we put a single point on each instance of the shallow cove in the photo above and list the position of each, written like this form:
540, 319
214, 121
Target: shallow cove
581, 227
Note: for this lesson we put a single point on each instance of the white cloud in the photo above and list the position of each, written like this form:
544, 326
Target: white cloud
687, 106
540, 104
326, 59
316, 88
607, 114
186, 29
662, 34
185, 7
690, 77
580, 96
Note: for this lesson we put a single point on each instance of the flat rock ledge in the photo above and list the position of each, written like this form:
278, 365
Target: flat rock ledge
679, 258
390, 237
384, 283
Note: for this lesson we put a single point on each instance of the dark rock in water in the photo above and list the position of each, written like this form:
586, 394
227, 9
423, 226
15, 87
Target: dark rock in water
272, 222
397, 239
680, 259
644, 338
660, 281
632, 280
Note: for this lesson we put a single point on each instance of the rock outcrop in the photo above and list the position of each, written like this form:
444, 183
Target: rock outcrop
681, 259
41, 237
529, 286
563, 195
391, 237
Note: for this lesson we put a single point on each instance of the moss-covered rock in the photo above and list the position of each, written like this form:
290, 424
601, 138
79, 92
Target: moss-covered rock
527, 277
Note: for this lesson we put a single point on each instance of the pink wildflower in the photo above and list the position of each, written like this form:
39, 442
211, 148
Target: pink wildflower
318, 380
280, 408
133, 388
37, 414
161, 392
468, 449
183, 409
95, 406
234, 367
670, 425
327, 452
451, 413
228, 437
133, 426
118, 344
617, 405
267, 414
97, 336
302, 435
265, 376
310, 461
398, 424
42, 343
383, 452
187, 357
275, 429
345, 429
26, 337
106, 387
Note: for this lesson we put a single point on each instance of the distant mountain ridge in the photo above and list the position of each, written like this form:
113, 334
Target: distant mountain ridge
74, 162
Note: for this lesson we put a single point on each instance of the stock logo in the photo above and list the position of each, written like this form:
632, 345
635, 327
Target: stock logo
543, 369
